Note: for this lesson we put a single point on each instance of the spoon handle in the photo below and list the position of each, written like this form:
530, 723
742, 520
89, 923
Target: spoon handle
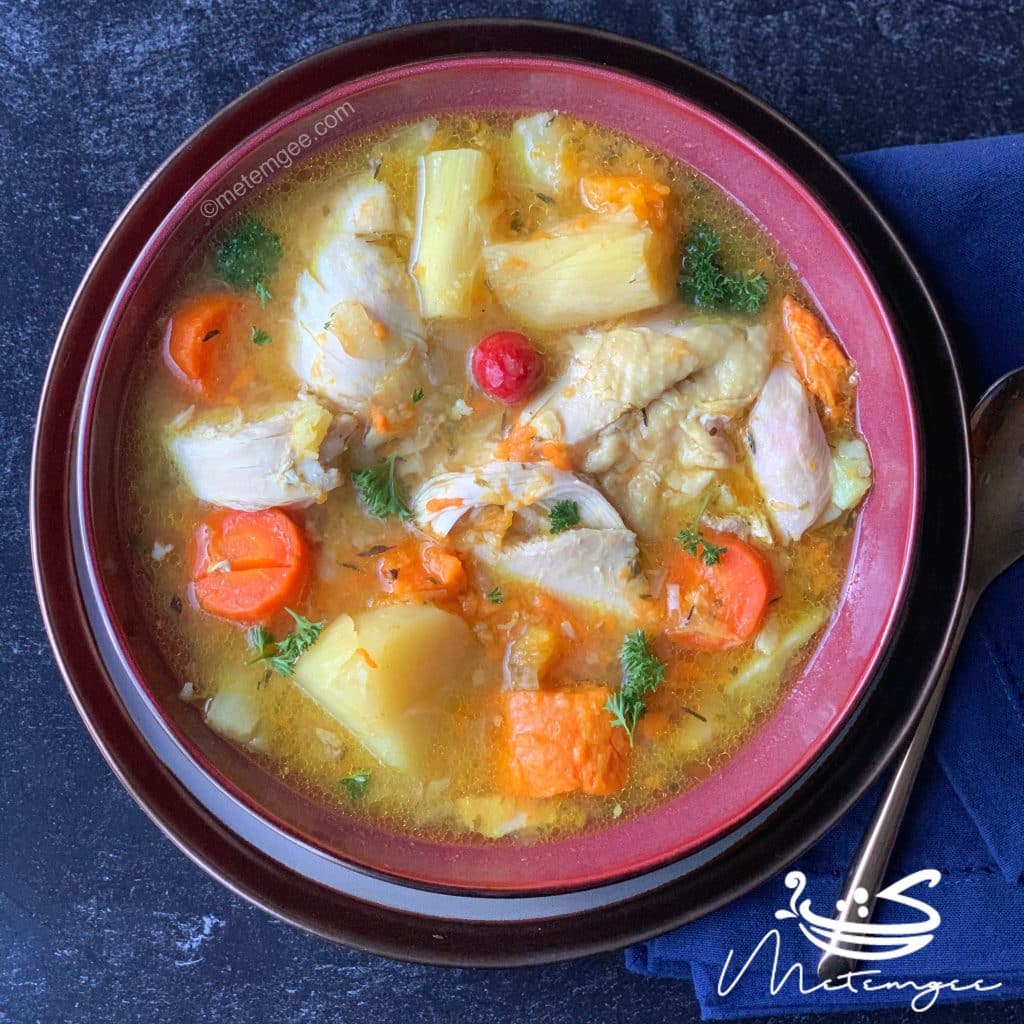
868, 868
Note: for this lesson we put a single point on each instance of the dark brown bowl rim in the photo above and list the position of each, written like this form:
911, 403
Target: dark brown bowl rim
233, 861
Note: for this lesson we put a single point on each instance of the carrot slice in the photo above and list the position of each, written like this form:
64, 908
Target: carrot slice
718, 606
819, 360
562, 742
193, 327
248, 565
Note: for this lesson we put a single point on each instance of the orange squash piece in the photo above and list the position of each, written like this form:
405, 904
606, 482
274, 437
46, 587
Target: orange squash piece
562, 741
819, 360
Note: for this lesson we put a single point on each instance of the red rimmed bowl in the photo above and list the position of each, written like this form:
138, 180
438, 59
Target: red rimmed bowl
501, 903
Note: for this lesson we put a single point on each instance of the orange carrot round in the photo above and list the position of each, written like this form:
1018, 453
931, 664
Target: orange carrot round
194, 326
720, 605
248, 565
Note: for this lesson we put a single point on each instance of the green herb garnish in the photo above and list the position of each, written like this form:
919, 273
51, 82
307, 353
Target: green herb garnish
418, 395
261, 642
706, 284
259, 336
495, 596
280, 656
696, 543
564, 514
641, 674
248, 257
379, 490
356, 784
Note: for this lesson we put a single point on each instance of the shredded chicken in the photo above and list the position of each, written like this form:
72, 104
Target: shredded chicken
613, 370
357, 320
277, 458
789, 455
584, 565
445, 499
654, 461
594, 562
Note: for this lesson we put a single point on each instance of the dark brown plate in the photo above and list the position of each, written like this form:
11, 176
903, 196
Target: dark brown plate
276, 865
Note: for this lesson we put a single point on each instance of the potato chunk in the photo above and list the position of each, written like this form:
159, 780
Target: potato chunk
234, 710
385, 675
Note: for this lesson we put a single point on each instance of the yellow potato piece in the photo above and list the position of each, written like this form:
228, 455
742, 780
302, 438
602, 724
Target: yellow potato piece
234, 711
386, 675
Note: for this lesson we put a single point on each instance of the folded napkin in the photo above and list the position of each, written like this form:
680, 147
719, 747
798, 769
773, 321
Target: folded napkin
959, 207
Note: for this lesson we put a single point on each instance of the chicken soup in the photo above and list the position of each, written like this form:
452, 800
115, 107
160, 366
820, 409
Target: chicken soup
490, 476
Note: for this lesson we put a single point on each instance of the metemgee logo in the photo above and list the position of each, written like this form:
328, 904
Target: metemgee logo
857, 941
867, 941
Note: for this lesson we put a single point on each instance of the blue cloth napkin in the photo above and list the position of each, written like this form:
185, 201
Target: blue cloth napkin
959, 207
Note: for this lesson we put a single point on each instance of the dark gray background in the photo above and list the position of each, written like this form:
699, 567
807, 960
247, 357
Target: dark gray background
101, 919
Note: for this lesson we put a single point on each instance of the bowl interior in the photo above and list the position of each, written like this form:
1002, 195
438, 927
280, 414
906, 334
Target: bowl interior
831, 682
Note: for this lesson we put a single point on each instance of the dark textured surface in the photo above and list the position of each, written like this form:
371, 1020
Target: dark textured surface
101, 919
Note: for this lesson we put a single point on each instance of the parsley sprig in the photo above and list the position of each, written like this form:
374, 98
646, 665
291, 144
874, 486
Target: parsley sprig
642, 673
706, 284
696, 543
247, 258
380, 491
564, 514
280, 656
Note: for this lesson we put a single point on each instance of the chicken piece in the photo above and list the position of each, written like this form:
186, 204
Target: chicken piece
276, 459
654, 471
364, 207
613, 370
582, 565
733, 379
445, 499
789, 454
357, 318
653, 462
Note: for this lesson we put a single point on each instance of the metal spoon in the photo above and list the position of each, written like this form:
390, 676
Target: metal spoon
997, 457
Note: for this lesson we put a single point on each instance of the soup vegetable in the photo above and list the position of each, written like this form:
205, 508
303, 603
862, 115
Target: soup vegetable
490, 476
